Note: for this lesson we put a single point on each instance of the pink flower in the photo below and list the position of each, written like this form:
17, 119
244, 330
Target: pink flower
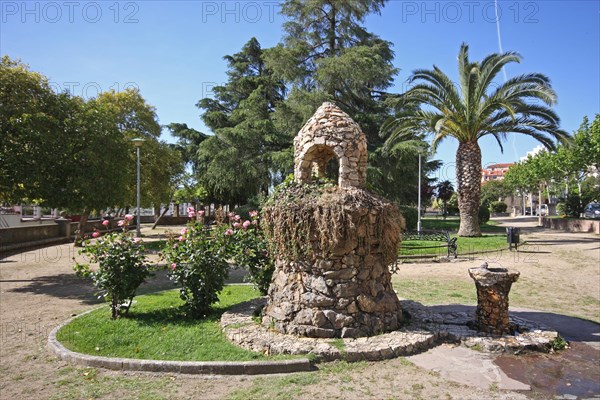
137, 240
95, 234
129, 217
236, 225
191, 209
246, 224
173, 266
105, 222
228, 232
191, 214
254, 222
184, 231
201, 213
121, 222
181, 238
237, 218
253, 214
231, 215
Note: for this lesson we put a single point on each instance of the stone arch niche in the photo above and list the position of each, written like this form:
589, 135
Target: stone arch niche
329, 133
342, 289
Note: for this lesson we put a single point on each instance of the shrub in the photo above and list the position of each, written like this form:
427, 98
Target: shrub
484, 215
573, 206
561, 209
249, 249
453, 204
498, 207
244, 211
411, 216
197, 259
122, 267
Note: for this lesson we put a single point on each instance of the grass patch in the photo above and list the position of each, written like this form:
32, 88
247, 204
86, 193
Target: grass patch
86, 383
158, 329
155, 245
430, 291
295, 385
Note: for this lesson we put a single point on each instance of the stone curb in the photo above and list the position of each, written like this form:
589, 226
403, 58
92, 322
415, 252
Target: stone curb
183, 367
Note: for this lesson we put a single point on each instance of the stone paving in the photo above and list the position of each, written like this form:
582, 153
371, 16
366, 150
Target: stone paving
426, 329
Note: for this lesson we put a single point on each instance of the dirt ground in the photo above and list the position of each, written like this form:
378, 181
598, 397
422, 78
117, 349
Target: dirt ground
560, 273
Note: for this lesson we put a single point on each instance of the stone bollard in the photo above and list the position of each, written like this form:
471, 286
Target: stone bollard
493, 286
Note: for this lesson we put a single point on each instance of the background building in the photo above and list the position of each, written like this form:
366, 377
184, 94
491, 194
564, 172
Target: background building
494, 172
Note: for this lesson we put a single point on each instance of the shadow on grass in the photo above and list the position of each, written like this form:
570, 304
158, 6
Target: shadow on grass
175, 316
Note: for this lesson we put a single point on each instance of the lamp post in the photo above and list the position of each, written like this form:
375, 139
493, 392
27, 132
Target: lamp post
420, 150
137, 142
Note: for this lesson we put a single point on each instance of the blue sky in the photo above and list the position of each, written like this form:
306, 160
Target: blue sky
173, 50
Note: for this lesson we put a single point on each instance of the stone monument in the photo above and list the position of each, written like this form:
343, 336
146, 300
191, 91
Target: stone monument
337, 282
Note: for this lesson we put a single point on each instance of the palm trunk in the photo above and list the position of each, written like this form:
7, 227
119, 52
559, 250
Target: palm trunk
468, 176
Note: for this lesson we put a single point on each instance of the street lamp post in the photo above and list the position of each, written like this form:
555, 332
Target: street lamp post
420, 149
137, 142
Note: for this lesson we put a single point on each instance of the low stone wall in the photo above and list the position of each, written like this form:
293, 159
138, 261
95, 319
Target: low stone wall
572, 225
20, 234
47, 233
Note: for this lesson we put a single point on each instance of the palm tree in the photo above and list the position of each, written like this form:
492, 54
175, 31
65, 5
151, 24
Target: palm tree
472, 110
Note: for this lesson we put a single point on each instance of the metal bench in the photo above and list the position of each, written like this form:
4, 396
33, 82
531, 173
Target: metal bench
434, 236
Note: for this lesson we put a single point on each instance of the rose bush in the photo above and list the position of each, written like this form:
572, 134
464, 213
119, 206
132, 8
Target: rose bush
122, 267
249, 249
197, 259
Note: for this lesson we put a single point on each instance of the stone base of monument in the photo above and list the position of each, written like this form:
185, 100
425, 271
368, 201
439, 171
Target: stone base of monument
428, 327
342, 287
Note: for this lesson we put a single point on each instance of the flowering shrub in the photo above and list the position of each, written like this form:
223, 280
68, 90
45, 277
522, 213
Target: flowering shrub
249, 250
197, 259
122, 267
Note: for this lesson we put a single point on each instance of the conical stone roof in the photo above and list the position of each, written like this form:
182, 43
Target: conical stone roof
329, 133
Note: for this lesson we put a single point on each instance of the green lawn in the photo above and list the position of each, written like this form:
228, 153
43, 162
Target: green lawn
452, 223
430, 291
156, 245
158, 329
465, 245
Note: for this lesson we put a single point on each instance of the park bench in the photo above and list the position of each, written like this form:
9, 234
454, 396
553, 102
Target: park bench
431, 236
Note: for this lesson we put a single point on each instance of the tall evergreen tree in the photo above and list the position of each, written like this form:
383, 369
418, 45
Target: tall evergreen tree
243, 158
326, 54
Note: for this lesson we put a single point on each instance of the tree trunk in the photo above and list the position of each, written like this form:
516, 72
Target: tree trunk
540, 207
468, 177
161, 215
81, 227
